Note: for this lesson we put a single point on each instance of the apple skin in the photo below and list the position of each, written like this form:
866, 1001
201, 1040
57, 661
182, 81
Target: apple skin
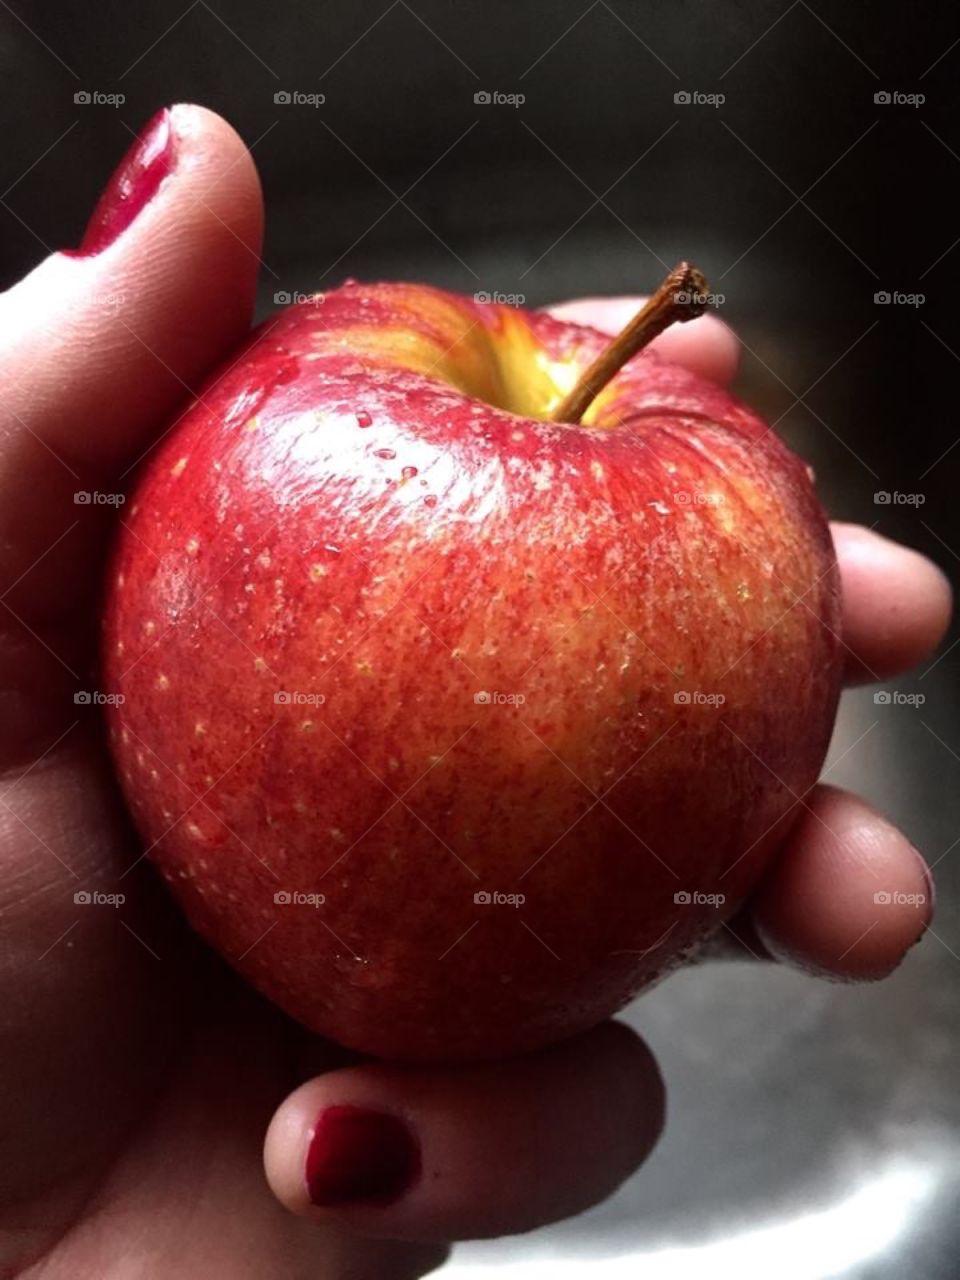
341, 513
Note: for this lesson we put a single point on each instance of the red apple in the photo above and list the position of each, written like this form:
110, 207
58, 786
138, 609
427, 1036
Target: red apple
451, 726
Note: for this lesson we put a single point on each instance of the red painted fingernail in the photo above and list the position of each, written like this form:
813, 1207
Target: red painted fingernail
133, 185
360, 1157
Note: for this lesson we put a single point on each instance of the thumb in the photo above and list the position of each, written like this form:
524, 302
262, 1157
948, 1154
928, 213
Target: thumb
97, 348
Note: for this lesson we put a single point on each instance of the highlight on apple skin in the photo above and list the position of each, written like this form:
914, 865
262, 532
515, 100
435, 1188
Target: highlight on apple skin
450, 726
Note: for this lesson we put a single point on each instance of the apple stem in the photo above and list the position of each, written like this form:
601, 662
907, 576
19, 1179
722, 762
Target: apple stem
681, 297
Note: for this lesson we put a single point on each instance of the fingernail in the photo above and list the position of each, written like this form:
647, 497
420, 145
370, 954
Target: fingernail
931, 902
132, 187
360, 1157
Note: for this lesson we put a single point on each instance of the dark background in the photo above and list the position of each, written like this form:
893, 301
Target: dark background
801, 197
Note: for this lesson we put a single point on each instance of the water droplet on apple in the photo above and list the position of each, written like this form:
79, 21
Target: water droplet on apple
430, 500
388, 455
408, 472
364, 419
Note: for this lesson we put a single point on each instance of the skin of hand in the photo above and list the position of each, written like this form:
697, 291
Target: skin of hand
139, 1074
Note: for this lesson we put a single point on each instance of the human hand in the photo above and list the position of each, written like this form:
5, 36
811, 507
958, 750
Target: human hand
139, 1073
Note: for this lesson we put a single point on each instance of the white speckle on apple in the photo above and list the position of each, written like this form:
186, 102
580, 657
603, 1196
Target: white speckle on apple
199, 728
597, 471
149, 627
259, 665
659, 508
162, 682
179, 467
193, 546
120, 648
306, 726
263, 559
121, 582
318, 571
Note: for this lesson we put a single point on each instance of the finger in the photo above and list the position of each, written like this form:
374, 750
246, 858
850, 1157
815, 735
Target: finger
848, 896
705, 346
434, 1154
99, 348
896, 604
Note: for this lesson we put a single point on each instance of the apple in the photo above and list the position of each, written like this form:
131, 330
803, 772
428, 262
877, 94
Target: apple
470, 675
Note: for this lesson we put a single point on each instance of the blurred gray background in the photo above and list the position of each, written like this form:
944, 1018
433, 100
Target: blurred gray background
814, 1130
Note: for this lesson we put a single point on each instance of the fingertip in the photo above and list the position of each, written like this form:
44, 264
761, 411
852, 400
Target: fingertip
434, 1154
849, 895
897, 603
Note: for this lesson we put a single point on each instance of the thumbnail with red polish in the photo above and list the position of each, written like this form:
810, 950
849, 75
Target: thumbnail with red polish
360, 1157
133, 185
